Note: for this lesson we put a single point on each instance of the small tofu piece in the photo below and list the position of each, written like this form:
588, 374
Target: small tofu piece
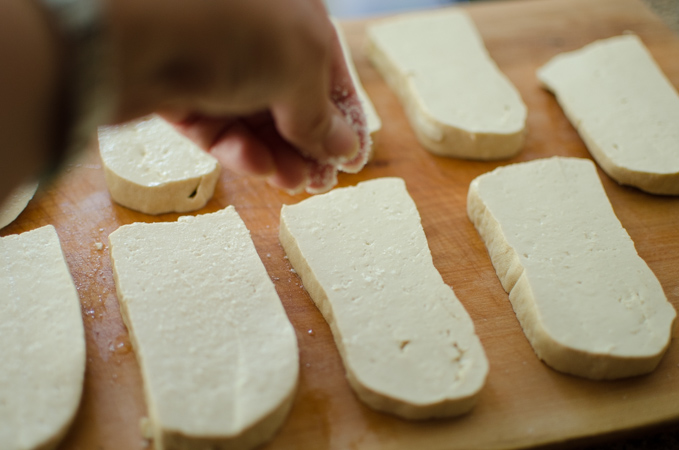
588, 304
42, 342
456, 99
150, 167
624, 108
16, 202
218, 356
408, 345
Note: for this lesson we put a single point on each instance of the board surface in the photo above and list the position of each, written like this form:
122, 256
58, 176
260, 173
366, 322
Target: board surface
524, 402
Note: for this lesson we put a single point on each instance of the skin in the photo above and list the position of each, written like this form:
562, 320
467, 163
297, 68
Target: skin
27, 92
247, 80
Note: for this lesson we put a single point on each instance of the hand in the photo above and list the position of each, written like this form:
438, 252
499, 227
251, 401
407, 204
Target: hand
252, 81
28, 82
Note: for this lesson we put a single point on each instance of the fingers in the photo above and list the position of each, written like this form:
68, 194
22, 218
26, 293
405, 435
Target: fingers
261, 152
291, 170
239, 150
312, 112
322, 178
345, 97
202, 130
316, 128
249, 146
306, 117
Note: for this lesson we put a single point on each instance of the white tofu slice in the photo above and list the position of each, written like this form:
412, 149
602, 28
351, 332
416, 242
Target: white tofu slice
588, 304
625, 109
153, 169
456, 99
218, 356
42, 342
408, 345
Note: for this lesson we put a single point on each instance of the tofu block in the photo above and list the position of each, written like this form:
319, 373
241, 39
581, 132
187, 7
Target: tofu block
457, 101
16, 202
150, 167
408, 345
42, 342
624, 108
218, 356
373, 121
588, 304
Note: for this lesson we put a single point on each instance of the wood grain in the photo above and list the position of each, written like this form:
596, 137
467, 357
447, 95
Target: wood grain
524, 402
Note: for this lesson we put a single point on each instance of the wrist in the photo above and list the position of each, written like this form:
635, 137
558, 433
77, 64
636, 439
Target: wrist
84, 93
28, 86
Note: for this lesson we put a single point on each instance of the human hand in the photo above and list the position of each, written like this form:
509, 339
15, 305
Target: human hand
261, 85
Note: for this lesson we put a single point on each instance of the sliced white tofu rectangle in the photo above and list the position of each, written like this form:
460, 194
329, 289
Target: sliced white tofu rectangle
219, 357
624, 108
588, 304
42, 342
408, 345
457, 100
150, 167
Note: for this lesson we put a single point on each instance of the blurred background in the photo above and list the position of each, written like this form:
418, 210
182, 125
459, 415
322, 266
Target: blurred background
668, 10
347, 9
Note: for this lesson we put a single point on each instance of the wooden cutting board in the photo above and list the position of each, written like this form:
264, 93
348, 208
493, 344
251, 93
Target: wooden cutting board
524, 402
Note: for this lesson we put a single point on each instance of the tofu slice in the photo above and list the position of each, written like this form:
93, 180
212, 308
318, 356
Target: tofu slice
42, 342
625, 109
456, 99
16, 202
218, 356
588, 304
408, 345
373, 121
150, 167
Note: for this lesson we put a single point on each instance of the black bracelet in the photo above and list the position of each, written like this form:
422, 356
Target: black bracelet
86, 98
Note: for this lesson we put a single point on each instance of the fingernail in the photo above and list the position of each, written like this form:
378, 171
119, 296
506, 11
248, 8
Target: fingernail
341, 140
